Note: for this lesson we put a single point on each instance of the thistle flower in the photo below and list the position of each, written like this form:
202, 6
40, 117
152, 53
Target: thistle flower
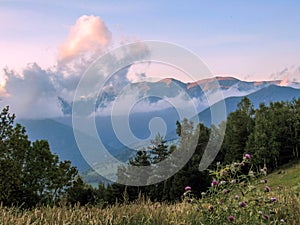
236, 197
242, 204
214, 183
247, 156
187, 188
210, 208
231, 218
233, 181
223, 182
264, 181
266, 216
267, 189
273, 199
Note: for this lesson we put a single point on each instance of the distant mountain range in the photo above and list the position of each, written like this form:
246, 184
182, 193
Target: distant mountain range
59, 132
170, 88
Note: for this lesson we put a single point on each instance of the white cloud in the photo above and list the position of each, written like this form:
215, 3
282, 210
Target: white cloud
31, 94
89, 34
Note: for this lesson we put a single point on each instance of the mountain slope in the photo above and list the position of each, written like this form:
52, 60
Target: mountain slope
266, 95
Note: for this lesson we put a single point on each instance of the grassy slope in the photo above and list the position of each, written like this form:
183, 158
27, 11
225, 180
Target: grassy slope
287, 176
145, 212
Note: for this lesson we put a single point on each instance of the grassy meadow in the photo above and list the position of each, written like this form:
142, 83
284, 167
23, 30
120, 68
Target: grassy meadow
254, 203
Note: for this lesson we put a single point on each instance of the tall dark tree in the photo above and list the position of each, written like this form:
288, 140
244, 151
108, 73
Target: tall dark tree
239, 127
29, 172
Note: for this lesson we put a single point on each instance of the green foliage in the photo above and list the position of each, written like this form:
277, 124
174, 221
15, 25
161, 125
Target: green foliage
238, 195
29, 173
206, 210
238, 128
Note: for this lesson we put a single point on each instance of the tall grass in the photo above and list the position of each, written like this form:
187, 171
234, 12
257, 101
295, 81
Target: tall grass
213, 208
144, 212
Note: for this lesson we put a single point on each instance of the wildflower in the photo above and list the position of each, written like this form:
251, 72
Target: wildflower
242, 164
264, 170
266, 216
223, 182
273, 199
242, 204
236, 197
260, 212
264, 181
210, 208
267, 189
247, 156
233, 181
187, 188
236, 164
231, 218
203, 193
214, 183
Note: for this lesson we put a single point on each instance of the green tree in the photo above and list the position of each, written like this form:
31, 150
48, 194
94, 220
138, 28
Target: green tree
159, 150
238, 128
29, 172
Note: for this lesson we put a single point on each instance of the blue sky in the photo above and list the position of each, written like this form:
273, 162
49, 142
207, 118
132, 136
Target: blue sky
251, 40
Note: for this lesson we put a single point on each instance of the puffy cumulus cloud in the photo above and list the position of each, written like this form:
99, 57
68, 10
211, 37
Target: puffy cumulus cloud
32, 94
89, 34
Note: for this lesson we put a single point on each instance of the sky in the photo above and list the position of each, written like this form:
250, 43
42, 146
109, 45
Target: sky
49, 40
251, 40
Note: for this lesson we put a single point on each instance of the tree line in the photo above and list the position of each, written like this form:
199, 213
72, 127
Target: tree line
31, 175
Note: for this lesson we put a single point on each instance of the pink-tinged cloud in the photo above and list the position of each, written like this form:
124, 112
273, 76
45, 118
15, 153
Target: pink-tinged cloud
89, 34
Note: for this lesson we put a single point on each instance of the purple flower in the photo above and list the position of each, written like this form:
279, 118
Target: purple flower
187, 188
214, 183
236, 197
210, 208
264, 181
247, 156
266, 216
274, 199
242, 204
231, 218
267, 189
